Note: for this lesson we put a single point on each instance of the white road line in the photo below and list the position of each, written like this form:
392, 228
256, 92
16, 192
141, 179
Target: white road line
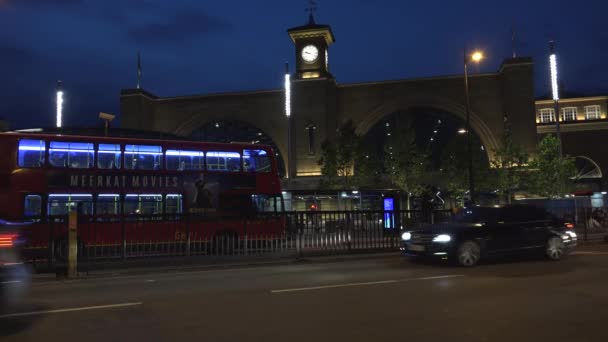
392, 281
84, 308
589, 253
10, 282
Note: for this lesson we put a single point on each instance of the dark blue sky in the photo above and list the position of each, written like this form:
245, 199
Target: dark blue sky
194, 47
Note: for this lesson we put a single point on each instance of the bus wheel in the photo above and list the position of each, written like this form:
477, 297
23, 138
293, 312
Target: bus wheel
225, 243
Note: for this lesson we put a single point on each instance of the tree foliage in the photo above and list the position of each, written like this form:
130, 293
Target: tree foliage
509, 167
551, 175
406, 165
339, 157
454, 169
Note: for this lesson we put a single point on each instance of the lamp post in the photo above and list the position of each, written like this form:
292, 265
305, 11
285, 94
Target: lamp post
290, 166
555, 92
475, 57
59, 103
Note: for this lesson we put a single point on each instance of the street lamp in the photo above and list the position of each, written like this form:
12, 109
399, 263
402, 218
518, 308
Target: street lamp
475, 57
290, 155
555, 93
59, 102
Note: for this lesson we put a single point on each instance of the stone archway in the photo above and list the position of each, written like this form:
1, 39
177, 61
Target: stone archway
586, 168
275, 139
412, 101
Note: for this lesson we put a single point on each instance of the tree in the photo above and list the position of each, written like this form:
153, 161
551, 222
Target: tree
454, 169
405, 164
339, 157
509, 167
551, 175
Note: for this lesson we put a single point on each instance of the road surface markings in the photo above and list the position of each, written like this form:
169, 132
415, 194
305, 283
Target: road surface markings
84, 308
589, 253
10, 282
392, 281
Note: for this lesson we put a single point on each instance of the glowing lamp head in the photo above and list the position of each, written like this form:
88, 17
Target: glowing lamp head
554, 88
59, 107
287, 95
477, 56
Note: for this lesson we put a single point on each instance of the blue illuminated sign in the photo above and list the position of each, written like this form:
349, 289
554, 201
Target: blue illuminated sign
389, 205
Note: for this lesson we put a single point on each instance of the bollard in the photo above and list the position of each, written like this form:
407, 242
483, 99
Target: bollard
72, 244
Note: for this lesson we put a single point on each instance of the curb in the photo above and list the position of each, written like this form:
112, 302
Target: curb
134, 269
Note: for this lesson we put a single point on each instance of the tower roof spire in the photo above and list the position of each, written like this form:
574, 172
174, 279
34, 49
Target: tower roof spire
311, 9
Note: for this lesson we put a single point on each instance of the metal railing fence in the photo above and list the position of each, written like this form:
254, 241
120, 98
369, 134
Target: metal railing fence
123, 238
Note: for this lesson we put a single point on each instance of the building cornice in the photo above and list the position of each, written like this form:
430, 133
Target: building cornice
419, 79
203, 96
572, 100
573, 127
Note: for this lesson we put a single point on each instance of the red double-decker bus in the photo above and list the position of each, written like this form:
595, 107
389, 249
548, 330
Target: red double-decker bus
111, 181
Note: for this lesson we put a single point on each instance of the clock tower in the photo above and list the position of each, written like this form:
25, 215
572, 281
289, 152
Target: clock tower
312, 42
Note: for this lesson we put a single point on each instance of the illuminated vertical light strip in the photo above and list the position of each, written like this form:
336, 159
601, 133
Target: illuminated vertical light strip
287, 94
553, 63
59, 107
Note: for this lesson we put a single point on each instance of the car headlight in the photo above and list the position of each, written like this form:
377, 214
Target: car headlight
406, 236
442, 238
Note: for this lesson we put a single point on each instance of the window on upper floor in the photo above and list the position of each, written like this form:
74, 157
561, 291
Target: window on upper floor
256, 161
592, 112
75, 155
31, 153
185, 160
140, 157
223, 161
108, 156
569, 114
547, 115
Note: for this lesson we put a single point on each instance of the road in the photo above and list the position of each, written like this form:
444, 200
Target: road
382, 299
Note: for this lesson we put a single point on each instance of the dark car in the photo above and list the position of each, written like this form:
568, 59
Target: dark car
479, 232
14, 274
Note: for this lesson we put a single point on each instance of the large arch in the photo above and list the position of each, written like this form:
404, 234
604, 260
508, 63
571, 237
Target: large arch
278, 136
587, 168
412, 101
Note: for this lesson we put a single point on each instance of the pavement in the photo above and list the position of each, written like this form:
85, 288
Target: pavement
384, 298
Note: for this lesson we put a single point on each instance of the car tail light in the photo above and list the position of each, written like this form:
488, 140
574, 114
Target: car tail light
569, 225
7, 240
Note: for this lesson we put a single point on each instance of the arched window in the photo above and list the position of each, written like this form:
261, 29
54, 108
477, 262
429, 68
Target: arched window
310, 133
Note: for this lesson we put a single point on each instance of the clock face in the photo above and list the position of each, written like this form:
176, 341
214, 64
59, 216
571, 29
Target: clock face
310, 53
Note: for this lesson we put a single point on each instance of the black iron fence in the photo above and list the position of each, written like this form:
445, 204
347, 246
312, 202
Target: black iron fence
123, 238
111, 239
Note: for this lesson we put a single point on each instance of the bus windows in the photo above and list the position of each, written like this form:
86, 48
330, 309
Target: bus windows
224, 161
173, 204
32, 206
108, 204
267, 203
71, 154
108, 156
141, 157
31, 153
184, 160
60, 204
143, 204
256, 161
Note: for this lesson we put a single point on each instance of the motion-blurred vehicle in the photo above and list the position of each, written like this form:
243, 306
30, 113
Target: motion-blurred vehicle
477, 233
14, 274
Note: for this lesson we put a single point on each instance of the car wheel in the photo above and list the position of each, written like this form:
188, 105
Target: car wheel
555, 248
468, 253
